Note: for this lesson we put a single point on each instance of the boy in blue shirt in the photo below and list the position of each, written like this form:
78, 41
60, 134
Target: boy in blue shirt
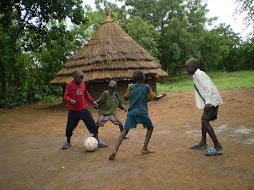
138, 94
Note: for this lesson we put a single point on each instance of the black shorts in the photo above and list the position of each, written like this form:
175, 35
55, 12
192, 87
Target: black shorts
211, 114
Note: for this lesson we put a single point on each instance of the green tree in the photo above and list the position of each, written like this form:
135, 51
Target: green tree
181, 25
156, 12
177, 45
23, 28
219, 49
143, 33
246, 55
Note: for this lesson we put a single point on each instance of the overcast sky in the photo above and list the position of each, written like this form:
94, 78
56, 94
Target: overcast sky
224, 9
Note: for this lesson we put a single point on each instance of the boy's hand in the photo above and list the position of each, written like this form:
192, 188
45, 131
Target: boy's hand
72, 102
95, 104
163, 94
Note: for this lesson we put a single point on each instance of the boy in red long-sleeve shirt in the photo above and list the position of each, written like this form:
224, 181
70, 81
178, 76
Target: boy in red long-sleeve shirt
76, 95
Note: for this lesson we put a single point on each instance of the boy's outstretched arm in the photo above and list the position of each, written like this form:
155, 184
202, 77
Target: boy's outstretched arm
96, 104
157, 97
153, 96
121, 106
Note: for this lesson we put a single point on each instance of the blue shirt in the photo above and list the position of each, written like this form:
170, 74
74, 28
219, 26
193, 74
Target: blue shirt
138, 97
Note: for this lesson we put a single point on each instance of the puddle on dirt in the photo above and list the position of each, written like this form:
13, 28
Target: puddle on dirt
162, 132
160, 127
243, 130
249, 141
193, 131
232, 135
221, 128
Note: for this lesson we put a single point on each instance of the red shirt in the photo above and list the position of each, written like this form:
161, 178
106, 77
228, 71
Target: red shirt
79, 93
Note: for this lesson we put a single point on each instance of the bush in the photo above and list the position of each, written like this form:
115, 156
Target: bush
20, 95
15, 96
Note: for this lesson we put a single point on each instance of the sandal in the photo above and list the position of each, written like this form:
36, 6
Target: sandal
102, 144
198, 146
213, 152
66, 146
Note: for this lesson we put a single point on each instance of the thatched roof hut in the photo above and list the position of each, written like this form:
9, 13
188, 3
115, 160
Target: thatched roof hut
110, 54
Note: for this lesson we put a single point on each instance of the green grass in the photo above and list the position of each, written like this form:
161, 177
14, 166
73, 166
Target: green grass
222, 80
48, 99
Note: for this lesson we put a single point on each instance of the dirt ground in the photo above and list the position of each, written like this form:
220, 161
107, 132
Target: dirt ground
32, 137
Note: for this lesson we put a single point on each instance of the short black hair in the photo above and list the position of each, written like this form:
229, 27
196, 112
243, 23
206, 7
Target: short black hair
193, 61
138, 76
76, 72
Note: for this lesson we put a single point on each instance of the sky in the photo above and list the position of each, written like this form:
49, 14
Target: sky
223, 9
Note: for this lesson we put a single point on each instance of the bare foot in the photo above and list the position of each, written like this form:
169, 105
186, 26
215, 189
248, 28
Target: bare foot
147, 151
126, 137
112, 156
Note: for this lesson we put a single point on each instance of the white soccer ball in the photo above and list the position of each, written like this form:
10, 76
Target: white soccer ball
90, 144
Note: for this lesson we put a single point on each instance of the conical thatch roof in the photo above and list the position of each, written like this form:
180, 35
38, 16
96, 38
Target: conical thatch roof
110, 54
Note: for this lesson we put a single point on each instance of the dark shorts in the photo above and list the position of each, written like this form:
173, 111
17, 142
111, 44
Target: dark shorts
211, 114
102, 119
132, 120
75, 116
